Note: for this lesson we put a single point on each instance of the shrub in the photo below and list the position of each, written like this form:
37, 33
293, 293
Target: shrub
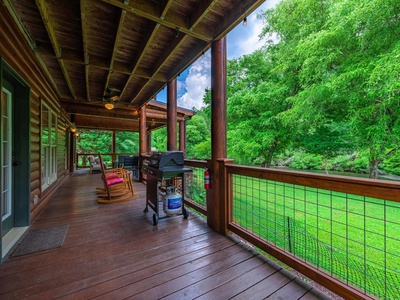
306, 161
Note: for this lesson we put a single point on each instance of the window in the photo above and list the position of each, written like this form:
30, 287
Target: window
6, 149
49, 146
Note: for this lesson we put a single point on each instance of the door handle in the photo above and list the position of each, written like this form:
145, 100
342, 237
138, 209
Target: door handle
15, 163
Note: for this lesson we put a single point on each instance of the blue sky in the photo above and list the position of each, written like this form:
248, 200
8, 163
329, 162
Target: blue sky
241, 40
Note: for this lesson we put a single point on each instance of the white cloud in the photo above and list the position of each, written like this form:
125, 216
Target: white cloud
198, 79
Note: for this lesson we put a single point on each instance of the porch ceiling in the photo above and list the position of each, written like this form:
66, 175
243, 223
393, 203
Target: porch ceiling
96, 49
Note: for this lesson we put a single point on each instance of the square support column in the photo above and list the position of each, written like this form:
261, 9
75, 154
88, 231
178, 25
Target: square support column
172, 110
216, 207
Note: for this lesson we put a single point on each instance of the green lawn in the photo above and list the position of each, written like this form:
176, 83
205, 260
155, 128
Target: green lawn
352, 237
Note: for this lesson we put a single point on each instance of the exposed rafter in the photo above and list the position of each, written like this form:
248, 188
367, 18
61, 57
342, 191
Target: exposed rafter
149, 11
53, 38
85, 48
151, 33
164, 7
173, 46
114, 52
200, 12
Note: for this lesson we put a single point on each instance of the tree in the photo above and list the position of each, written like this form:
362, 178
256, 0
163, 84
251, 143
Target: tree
127, 142
159, 139
338, 52
94, 141
256, 98
196, 133
328, 140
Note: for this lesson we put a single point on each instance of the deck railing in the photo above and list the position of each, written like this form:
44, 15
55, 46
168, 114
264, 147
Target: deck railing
195, 195
82, 160
341, 232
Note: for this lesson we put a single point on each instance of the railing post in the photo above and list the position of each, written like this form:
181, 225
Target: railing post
225, 192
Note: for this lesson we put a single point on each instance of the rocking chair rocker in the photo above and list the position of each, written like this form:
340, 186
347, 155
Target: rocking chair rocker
117, 183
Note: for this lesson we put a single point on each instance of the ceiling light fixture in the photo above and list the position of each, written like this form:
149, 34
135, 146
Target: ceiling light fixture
245, 21
109, 105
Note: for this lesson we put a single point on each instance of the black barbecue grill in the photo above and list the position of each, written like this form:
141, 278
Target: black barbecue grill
165, 165
161, 167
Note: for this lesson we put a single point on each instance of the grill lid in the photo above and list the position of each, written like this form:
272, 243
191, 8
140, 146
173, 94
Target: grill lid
166, 165
166, 159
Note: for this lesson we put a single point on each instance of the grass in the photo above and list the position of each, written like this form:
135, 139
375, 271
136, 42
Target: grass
352, 237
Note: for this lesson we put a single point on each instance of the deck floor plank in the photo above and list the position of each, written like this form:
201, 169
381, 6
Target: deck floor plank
113, 251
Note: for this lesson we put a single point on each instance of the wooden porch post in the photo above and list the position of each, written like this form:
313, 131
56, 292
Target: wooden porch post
182, 137
142, 137
216, 207
148, 140
72, 151
113, 147
171, 115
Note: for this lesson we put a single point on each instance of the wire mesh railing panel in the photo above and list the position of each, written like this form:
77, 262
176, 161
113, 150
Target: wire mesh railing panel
194, 186
353, 238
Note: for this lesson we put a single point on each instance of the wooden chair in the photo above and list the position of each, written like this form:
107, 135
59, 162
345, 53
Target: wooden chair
117, 183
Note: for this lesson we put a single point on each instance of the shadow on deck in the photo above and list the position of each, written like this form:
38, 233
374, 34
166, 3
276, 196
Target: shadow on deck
113, 251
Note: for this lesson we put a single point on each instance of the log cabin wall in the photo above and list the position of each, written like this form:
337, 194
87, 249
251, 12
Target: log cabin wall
16, 52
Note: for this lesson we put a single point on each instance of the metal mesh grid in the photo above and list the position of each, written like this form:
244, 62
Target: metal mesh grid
354, 238
195, 186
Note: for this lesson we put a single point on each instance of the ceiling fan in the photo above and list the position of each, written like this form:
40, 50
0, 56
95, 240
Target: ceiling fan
111, 97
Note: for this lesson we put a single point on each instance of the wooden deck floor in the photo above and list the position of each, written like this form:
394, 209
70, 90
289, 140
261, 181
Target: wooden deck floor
113, 251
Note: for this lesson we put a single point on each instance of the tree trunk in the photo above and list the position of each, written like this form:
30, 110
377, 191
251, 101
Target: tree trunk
374, 167
326, 165
269, 155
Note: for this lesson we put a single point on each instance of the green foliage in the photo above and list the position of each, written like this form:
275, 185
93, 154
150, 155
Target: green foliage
159, 139
94, 141
392, 164
341, 58
127, 142
202, 150
350, 163
306, 161
256, 98
197, 133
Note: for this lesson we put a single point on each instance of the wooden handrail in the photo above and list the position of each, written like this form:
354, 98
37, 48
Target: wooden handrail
381, 189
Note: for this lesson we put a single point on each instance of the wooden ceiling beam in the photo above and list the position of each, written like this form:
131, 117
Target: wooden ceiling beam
83, 122
44, 13
183, 65
105, 123
167, 53
118, 35
118, 113
164, 7
200, 12
151, 33
197, 16
85, 48
147, 10
101, 63
98, 110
